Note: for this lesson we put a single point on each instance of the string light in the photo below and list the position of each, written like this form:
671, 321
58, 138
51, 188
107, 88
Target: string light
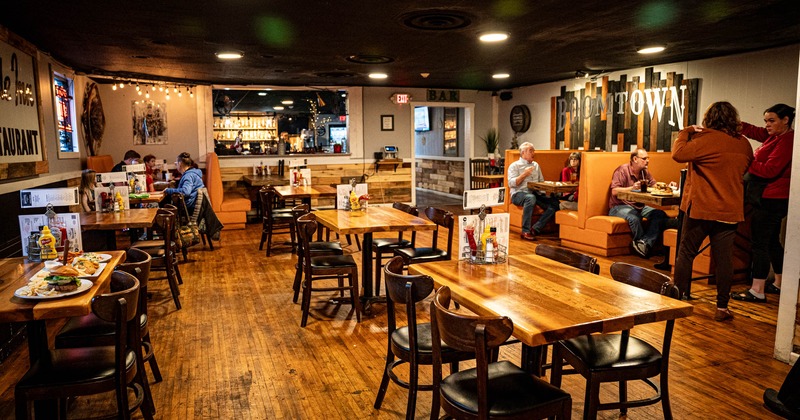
114, 86
143, 87
121, 85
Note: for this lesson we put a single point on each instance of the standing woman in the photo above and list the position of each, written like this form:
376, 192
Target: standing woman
571, 173
718, 156
191, 181
773, 161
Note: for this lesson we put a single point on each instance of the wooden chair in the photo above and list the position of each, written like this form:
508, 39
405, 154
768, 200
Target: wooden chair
478, 167
63, 373
323, 268
442, 219
411, 343
619, 357
274, 220
184, 218
381, 245
318, 248
569, 257
490, 390
89, 330
164, 252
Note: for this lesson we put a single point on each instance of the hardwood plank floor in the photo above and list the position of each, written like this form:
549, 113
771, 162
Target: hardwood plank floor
236, 349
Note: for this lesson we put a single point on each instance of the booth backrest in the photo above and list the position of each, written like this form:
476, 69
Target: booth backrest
100, 163
213, 182
596, 172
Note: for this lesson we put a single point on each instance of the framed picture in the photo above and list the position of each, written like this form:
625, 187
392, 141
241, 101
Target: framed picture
387, 122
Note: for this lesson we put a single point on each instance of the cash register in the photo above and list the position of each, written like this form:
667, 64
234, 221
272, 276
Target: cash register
390, 152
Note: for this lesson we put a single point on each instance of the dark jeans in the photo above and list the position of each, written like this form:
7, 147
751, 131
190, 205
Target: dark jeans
721, 236
527, 200
766, 230
656, 219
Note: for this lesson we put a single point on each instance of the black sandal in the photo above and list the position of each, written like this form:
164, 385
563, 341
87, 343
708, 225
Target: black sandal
772, 288
747, 296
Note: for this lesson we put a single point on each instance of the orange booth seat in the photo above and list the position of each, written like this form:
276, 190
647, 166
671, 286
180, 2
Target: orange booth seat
231, 207
590, 228
551, 162
100, 163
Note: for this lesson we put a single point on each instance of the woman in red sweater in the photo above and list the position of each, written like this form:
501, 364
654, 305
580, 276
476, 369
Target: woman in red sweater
773, 161
718, 156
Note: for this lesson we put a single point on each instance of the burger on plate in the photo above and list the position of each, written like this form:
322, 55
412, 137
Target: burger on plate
63, 279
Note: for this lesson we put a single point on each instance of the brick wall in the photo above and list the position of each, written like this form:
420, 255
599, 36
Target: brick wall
445, 176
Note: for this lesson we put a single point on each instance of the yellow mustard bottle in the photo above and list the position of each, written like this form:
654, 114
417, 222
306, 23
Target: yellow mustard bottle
47, 244
120, 202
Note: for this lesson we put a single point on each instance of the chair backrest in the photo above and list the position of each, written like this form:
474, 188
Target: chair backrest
404, 290
100, 163
137, 263
445, 219
569, 257
121, 308
269, 201
306, 227
644, 278
463, 332
412, 210
180, 204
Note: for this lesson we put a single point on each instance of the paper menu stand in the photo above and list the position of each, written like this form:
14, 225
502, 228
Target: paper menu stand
116, 178
343, 194
41, 197
71, 221
300, 177
137, 168
489, 197
500, 221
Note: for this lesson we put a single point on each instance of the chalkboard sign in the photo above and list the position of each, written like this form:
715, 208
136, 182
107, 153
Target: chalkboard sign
520, 118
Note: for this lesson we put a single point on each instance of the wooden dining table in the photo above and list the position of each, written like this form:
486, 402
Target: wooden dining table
15, 273
375, 219
152, 197
305, 193
111, 222
659, 200
553, 188
549, 301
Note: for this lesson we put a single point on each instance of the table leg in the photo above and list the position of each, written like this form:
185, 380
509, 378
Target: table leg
367, 297
531, 359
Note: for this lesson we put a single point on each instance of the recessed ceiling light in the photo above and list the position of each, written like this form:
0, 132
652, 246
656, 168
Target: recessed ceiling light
651, 50
493, 36
277, 108
229, 55
501, 76
287, 102
378, 75
262, 93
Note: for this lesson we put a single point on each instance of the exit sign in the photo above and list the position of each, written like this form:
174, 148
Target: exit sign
401, 98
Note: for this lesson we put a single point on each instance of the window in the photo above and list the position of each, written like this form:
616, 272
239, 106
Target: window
65, 116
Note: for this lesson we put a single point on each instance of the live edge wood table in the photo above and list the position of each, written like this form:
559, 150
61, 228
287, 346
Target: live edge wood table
15, 273
375, 219
650, 199
549, 301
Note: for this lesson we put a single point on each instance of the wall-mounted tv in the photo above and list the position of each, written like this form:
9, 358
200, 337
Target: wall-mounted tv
422, 118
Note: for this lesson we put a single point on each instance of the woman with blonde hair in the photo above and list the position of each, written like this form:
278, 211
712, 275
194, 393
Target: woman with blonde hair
86, 189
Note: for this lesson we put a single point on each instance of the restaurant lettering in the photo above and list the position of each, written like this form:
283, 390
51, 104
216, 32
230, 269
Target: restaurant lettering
435, 95
22, 92
16, 142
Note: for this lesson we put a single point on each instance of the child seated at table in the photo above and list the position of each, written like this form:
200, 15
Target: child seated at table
86, 190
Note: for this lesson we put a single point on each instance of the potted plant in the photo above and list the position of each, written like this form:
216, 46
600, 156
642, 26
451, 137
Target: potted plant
492, 140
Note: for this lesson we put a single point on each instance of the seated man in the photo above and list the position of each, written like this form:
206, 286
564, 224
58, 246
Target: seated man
519, 174
131, 158
633, 176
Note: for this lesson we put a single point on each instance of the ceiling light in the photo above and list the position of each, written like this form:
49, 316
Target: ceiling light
229, 55
121, 85
287, 102
262, 93
651, 50
378, 75
277, 108
493, 37
114, 87
424, 75
501, 76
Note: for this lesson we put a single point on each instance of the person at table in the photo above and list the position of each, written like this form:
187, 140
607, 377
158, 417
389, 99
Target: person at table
519, 174
131, 158
191, 181
634, 176
772, 162
713, 193
571, 173
150, 171
86, 189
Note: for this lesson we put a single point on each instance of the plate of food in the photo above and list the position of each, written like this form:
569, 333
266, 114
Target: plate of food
87, 267
662, 189
53, 284
98, 258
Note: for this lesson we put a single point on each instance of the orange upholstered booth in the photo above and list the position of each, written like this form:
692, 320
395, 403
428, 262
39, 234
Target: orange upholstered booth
231, 207
100, 163
551, 162
590, 228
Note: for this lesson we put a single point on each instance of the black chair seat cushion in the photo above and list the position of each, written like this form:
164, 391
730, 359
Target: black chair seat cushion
389, 243
282, 217
155, 252
333, 261
603, 351
322, 246
421, 254
424, 341
65, 367
89, 330
512, 391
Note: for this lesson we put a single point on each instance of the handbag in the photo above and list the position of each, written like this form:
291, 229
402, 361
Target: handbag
754, 188
189, 235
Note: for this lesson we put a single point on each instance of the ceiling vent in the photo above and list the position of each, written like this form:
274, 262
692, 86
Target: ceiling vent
369, 59
436, 20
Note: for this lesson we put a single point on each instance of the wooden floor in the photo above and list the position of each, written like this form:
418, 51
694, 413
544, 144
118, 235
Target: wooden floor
236, 350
